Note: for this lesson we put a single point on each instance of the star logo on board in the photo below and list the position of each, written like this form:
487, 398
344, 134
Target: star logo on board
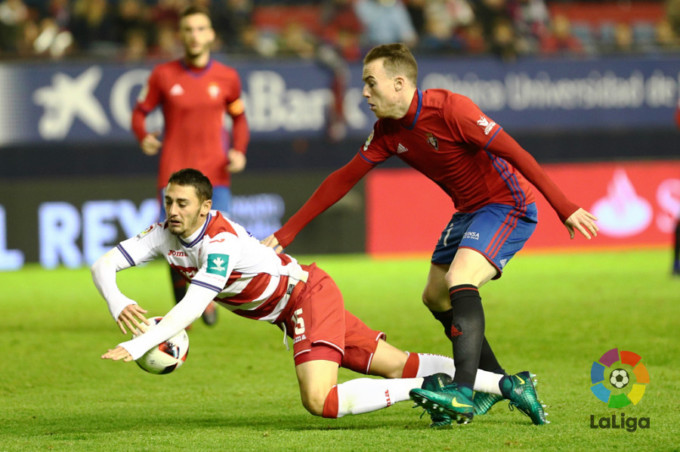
70, 98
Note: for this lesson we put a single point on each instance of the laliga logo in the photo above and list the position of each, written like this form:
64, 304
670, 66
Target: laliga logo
619, 379
622, 381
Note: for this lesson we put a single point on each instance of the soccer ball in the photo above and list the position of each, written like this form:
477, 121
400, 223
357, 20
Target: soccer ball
166, 356
619, 378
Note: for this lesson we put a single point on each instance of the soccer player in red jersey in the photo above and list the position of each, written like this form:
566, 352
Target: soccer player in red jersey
486, 173
194, 93
226, 264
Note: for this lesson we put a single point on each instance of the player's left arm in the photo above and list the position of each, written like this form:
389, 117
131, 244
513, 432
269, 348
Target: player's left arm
124, 310
178, 318
574, 217
240, 132
240, 138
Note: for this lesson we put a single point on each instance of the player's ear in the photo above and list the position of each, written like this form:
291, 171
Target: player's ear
206, 206
398, 83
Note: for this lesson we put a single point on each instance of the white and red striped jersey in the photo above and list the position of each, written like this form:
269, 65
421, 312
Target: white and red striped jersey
248, 278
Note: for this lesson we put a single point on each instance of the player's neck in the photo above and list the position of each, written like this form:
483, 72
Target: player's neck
405, 102
197, 61
189, 236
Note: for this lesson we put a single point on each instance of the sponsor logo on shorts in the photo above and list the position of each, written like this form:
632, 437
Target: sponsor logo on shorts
471, 235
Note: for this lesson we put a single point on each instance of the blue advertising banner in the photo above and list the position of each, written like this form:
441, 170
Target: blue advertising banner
91, 102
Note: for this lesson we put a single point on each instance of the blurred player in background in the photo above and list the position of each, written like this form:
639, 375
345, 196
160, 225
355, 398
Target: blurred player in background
446, 137
225, 263
195, 92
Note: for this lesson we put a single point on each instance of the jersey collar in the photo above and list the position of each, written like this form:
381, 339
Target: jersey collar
195, 71
413, 113
197, 236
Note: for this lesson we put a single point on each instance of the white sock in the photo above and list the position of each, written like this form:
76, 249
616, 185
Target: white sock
369, 394
432, 364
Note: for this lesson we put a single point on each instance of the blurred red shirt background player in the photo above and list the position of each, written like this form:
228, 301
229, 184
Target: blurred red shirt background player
194, 93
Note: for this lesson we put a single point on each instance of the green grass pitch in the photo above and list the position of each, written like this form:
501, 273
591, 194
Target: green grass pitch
550, 314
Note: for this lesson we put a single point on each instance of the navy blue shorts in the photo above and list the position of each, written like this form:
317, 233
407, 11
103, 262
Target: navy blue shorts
497, 231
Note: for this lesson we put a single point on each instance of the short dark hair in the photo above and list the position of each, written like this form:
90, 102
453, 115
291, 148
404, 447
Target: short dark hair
194, 9
195, 178
398, 59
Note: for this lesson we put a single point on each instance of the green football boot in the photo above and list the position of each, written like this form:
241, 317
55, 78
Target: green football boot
435, 383
483, 401
520, 389
452, 400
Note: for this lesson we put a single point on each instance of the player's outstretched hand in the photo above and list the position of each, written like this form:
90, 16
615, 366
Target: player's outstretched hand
151, 144
272, 242
117, 354
583, 222
131, 317
237, 161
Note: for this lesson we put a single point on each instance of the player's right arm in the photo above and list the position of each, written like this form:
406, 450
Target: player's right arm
139, 249
331, 190
124, 310
148, 99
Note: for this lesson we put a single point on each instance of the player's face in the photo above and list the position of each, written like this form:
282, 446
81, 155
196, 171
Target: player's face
380, 90
197, 35
184, 211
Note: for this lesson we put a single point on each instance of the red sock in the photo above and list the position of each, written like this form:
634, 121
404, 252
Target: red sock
330, 406
411, 366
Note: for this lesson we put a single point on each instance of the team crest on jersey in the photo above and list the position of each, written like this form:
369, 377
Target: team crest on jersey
217, 264
485, 124
432, 140
213, 90
368, 141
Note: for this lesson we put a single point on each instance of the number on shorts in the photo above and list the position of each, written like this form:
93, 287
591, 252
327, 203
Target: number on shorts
299, 322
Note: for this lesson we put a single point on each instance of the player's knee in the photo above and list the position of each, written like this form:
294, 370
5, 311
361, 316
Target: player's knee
434, 301
314, 402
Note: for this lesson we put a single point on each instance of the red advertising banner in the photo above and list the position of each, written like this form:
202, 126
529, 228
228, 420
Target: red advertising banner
637, 205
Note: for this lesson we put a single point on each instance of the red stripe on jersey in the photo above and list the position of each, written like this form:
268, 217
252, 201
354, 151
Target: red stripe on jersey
235, 276
269, 304
219, 225
251, 292
285, 259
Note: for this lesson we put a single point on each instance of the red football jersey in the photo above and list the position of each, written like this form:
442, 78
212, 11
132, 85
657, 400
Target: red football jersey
446, 137
194, 101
